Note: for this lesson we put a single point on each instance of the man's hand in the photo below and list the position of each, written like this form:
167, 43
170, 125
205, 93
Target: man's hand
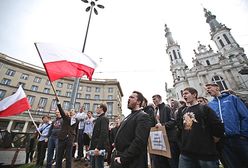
118, 160
158, 125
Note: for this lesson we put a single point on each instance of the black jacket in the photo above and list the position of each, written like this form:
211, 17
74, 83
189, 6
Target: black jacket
100, 135
67, 130
166, 120
131, 139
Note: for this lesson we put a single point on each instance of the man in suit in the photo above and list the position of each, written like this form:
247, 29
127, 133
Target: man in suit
132, 136
100, 137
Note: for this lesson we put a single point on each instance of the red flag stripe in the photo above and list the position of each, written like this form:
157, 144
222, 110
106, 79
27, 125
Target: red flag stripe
16, 108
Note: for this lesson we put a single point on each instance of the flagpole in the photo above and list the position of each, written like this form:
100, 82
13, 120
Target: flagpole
46, 71
77, 80
34, 122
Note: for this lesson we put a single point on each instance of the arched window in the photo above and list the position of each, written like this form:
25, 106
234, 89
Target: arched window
174, 53
220, 81
179, 54
221, 42
226, 38
207, 61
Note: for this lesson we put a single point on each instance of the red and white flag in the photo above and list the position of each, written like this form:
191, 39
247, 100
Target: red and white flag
62, 62
14, 104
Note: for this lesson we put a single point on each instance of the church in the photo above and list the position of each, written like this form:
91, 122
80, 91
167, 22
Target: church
228, 66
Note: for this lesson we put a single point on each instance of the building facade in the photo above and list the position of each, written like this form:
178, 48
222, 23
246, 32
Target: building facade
223, 67
41, 96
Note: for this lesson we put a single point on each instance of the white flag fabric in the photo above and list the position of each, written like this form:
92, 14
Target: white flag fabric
14, 104
62, 62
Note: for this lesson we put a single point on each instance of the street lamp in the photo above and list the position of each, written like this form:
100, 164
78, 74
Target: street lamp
92, 7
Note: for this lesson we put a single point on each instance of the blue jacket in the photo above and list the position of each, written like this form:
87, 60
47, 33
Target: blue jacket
232, 112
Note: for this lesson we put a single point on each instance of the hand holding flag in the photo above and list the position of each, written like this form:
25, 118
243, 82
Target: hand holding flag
14, 104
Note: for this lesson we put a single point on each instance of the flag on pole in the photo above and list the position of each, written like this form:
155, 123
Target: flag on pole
62, 62
14, 104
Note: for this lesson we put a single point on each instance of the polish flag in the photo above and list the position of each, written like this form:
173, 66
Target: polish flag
62, 62
14, 104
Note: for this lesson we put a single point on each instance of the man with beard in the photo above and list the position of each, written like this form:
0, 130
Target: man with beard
132, 136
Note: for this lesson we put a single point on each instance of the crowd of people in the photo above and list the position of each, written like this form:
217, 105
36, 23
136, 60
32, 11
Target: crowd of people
201, 133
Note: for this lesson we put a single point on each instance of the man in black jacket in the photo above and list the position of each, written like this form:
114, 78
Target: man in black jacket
163, 116
201, 129
132, 136
100, 137
66, 136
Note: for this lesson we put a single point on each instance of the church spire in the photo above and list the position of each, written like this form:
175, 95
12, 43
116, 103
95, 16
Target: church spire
211, 20
168, 35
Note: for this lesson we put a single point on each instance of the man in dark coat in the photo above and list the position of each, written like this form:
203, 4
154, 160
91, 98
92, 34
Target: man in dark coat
100, 137
163, 116
132, 136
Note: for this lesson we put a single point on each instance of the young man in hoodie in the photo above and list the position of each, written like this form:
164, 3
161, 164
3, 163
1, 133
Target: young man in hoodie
234, 114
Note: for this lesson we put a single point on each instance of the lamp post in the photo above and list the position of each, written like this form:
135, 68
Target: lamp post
92, 7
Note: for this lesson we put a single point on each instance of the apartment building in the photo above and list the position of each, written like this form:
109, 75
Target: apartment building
41, 97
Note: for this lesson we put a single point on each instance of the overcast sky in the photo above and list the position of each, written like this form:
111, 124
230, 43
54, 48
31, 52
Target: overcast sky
128, 34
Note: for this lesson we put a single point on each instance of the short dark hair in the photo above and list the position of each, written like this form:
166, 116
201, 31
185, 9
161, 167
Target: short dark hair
191, 90
104, 107
46, 116
158, 96
140, 97
90, 112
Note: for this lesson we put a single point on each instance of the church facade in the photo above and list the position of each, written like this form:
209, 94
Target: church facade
227, 66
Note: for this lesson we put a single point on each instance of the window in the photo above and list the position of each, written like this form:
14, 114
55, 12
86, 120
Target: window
220, 81
58, 92
1, 64
6, 81
97, 97
48, 83
77, 106
69, 86
37, 79
18, 126
80, 88
88, 89
221, 42
97, 89
174, 53
21, 83
2, 94
24, 76
34, 88
66, 105
110, 90
95, 107
110, 97
3, 125
226, 38
87, 106
59, 84
46, 90
10, 72
207, 61
78, 95
53, 105
42, 102
68, 94
110, 109
87, 96
31, 99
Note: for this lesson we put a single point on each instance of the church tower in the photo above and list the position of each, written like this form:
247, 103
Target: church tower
177, 67
223, 39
